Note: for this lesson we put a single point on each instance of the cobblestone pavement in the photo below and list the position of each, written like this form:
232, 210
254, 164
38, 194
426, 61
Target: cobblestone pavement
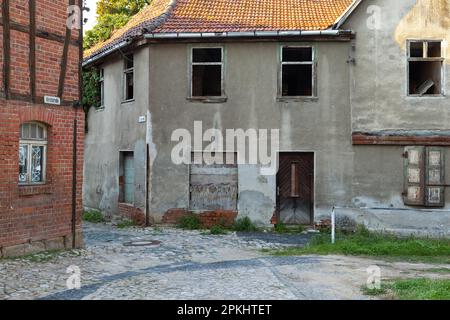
188, 265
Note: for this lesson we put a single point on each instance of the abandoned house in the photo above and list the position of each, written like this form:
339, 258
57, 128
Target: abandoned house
357, 90
41, 128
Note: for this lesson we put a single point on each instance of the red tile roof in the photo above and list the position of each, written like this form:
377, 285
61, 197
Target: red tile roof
184, 16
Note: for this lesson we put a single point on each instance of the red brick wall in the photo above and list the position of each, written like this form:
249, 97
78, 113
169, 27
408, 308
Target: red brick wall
134, 214
31, 213
42, 212
208, 219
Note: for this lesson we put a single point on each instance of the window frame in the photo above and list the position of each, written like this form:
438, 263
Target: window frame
425, 58
102, 88
127, 71
30, 143
222, 63
313, 64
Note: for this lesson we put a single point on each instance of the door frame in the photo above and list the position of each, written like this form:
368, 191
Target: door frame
313, 184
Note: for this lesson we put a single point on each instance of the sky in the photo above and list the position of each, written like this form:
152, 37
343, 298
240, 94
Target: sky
91, 15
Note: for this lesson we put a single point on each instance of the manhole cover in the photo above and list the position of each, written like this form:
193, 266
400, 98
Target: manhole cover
142, 243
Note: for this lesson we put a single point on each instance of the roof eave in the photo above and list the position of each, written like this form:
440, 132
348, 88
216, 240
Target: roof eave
246, 34
212, 35
343, 18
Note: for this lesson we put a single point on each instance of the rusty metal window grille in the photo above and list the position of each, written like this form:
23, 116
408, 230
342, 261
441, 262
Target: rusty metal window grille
32, 153
298, 71
425, 68
128, 78
207, 72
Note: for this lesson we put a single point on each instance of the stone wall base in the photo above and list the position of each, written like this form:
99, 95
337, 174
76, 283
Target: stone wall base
32, 247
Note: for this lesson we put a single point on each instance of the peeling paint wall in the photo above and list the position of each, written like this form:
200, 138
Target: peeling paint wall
379, 101
321, 125
427, 19
115, 129
378, 87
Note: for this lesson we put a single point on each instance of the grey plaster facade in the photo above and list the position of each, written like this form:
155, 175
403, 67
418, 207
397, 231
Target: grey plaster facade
366, 95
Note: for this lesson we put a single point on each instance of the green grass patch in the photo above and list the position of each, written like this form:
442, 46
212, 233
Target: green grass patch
374, 291
245, 225
93, 216
365, 243
421, 289
125, 224
437, 270
218, 230
45, 256
283, 229
190, 222
412, 289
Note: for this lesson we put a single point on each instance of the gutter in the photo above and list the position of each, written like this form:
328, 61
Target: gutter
285, 33
211, 35
116, 47
341, 20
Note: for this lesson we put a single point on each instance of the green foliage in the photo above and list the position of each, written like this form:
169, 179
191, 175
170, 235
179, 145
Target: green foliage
93, 216
413, 289
366, 243
217, 230
105, 26
421, 289
91, 88
437, 270
112, 15
127, 7
125, 224
46, 256
374, 291
190, 222
245, 225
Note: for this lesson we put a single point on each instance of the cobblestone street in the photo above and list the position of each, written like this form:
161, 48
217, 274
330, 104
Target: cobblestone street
188, 265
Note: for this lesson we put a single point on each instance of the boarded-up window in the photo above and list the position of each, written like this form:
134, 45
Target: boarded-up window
126, 177
213, 186
424, 176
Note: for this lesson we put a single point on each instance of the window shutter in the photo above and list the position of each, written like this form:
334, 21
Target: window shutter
414, 164
435, 177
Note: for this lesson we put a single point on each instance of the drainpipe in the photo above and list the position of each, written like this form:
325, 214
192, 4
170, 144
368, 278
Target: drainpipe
333, 226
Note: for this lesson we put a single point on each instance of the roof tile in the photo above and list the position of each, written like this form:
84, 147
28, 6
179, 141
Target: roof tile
168, 16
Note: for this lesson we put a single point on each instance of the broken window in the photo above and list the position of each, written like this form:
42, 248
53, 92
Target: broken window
424, 176
32, 153
297, 71
425, 63
126, 177
102, 88
207, 72
128, 76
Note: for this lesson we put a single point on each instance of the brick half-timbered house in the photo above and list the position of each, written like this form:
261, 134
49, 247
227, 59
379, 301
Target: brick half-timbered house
41, 126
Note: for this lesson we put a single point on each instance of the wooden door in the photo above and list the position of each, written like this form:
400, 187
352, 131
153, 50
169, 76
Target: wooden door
295, 188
